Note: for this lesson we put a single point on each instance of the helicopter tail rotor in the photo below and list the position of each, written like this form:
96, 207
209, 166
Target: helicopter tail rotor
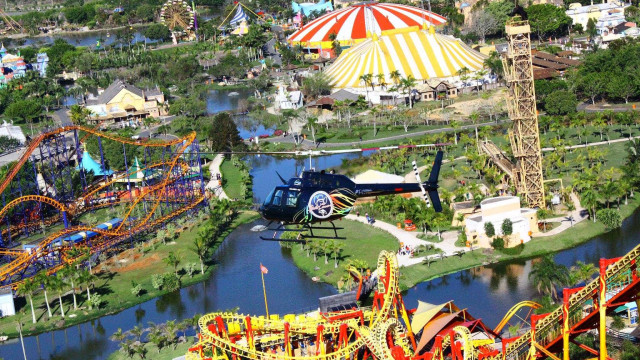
430, 188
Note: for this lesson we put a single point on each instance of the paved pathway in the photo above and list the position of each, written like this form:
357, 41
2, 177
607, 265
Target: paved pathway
579, 214
447, 245
214, 168
322, 145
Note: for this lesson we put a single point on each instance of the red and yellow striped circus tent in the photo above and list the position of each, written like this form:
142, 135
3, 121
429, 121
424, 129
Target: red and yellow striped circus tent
422, 54
352, 24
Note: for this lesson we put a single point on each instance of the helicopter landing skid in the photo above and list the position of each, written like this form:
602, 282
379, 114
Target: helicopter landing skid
302, 238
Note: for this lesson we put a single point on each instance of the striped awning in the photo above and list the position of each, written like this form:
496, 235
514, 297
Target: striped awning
422, 54
238, 17
352, 23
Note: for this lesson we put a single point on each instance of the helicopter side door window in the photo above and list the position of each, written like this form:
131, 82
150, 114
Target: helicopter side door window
277, 198
292, 198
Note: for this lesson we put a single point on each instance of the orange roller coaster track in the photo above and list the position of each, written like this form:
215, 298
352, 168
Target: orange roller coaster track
174, 169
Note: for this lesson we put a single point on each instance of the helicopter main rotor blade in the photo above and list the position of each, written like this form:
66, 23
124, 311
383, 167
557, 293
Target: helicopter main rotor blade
327, 152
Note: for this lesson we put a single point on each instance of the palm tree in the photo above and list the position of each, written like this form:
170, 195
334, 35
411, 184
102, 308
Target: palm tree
546, 275
381, 80
367, 80
463, 74
589, 199
479, 75
582, 272
27, 288
118, 335
395, 77
58, 286
69, 274
87, 278
201, 248
408, 84
170, 329
312, 122
173, 260
455, 126
43, 279
137, 331
571, 208
336, 249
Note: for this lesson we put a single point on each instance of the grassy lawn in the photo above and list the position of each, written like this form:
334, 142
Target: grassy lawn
167, 353
362, 242
114, 282
231, 179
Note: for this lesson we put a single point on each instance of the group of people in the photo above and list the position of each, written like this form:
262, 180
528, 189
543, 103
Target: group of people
405, 250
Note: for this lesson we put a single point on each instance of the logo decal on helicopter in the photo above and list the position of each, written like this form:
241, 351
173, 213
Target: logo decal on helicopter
320, 205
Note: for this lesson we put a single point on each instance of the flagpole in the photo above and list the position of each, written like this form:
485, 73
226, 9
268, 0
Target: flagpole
264, 290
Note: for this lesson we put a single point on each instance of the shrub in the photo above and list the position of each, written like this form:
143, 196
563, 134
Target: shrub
136, 289
96, 301
171, 281
489, 229
498, 243
611, 218
157, 281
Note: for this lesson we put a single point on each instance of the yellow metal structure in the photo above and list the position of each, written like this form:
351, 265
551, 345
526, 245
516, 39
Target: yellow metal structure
525, 137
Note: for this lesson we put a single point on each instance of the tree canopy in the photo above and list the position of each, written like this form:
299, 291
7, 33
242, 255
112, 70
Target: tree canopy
223, 133
548, 20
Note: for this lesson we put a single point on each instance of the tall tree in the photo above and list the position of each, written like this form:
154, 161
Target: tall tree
546, 275
27, 288
483, 23
42, 278
223, 133
547, 20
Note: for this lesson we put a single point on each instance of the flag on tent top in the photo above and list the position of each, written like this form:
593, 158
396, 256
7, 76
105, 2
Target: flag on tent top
264, 269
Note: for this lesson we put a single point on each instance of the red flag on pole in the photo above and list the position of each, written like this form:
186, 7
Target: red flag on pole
264, 269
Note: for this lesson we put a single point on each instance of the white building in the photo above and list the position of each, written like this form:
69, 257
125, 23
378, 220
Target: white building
7, 307
580, 14
288, 100
12, 131
496, 210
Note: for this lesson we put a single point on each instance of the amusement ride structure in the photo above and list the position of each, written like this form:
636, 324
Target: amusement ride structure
388, 330
526, 174
55, 182
179, 17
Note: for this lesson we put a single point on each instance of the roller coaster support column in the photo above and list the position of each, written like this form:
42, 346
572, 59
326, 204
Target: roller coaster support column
250, 340
320, 340
78, 157
566, 328
287, 339
65, 220
602, 309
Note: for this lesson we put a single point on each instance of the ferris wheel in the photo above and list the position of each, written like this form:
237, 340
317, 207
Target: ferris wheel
177, 14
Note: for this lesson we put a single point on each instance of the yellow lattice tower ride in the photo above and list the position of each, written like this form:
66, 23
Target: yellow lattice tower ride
525, 137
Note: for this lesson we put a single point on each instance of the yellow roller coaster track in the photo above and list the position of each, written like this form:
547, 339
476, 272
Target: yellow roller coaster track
505, 320
370, 337
224, 333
